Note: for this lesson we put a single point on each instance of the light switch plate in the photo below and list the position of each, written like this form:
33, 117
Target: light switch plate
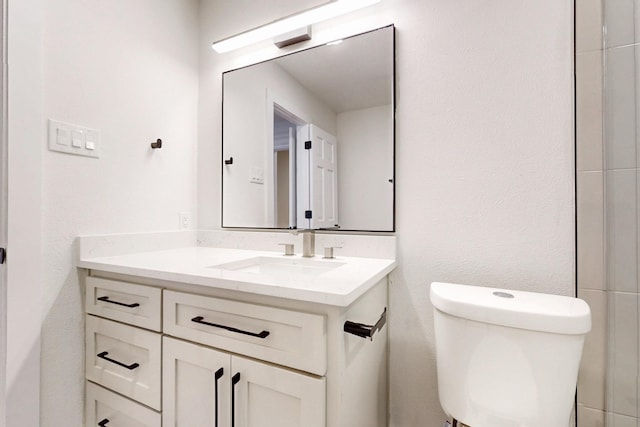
73, 139
257, 175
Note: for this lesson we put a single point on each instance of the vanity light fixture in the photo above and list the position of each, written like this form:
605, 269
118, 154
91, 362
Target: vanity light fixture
293, 37
290, 23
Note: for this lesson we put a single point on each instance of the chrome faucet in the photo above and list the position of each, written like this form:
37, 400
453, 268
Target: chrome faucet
308, 242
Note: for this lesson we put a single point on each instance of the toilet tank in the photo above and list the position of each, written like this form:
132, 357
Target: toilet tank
507, 358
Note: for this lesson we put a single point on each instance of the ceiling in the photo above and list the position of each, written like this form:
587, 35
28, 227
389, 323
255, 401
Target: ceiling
354, 74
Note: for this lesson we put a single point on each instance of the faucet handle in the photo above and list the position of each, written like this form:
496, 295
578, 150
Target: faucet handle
288, 248
328, 251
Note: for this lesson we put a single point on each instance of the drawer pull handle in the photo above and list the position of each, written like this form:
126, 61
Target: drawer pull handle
366, 331
106, 299
218, 375
103, 422
234, 380
103, 355
199, 319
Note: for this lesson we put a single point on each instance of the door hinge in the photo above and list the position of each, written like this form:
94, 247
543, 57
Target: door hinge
3, 255
307, 145
307, 214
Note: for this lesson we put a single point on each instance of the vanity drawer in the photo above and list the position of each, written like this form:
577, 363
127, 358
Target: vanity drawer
125, 302
285, 337
124, 359
106, 408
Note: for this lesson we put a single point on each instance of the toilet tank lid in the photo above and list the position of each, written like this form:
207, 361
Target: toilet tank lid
517, 309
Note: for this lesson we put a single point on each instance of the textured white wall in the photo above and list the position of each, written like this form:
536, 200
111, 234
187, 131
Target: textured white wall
129, 69
484, 156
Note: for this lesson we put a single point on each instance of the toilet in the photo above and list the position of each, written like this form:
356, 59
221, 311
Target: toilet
507, 358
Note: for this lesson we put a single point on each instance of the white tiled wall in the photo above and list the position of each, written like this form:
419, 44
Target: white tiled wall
621, 22
620, 107
607, 94
622, 393
588, 25
590, 417
621, 230
589, 68
591, 382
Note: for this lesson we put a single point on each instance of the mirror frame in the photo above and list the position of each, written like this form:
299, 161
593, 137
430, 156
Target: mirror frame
393, 139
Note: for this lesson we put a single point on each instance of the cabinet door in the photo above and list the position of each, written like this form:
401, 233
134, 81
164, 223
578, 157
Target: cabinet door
196, 384
268, 396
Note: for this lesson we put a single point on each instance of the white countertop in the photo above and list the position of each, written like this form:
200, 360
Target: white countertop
195, 265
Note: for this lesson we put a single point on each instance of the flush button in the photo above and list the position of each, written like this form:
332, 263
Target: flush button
503, 294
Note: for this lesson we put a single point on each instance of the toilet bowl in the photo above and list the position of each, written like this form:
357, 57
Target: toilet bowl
507, 358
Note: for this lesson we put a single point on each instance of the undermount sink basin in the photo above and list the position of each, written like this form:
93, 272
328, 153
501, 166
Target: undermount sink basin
280, 266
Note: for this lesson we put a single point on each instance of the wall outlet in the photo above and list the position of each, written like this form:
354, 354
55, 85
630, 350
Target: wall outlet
184, 220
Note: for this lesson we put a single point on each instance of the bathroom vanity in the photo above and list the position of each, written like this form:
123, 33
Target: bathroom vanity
214, 336
220, 328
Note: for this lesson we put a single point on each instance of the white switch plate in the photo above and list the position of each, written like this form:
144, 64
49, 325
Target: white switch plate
257, 175
73, 139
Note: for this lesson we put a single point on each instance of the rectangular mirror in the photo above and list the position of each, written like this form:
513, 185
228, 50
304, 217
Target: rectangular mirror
308, 138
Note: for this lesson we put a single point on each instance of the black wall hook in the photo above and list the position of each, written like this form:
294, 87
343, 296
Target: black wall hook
229, 162
157, 144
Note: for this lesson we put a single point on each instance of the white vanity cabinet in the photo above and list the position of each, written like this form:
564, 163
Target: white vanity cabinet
207, 387
123, 354
183, 355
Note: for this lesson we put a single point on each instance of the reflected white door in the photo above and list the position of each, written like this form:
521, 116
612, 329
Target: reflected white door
318, 176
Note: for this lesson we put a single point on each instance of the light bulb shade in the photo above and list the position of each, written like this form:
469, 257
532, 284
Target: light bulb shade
290, 23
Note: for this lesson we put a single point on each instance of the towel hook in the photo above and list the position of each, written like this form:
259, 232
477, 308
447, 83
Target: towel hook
157, 144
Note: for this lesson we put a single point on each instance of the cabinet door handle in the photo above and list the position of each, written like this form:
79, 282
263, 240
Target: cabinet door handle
234, 380
103, 355
218, 375
106, 299
103, 422
199, 319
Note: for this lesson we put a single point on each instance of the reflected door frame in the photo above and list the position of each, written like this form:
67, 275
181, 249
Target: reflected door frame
275, 102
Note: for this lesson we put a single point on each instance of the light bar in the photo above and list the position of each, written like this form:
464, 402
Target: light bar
290, 23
